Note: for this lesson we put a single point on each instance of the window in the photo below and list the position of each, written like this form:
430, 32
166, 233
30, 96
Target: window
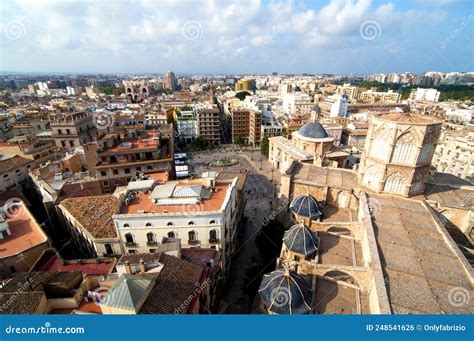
152, 250
404, 149
129, 238
132, 251
109, 249
191, 223
115, 171
126, 225
150, 237
192, 236
169, 223
106, 183
395, 183
127, 170
171, 234
148, 225
379, 146
212, 222
103, 173
213, 235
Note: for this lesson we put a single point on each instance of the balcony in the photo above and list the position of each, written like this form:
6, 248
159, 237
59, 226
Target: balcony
131, 244
194, 242
154, 243
214, 241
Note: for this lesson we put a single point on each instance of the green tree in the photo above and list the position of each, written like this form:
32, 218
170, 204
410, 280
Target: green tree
239, 141
242, 94
264, 146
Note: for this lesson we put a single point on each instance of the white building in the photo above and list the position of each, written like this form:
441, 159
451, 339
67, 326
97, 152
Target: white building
186, 125
339, 106
421, 94
297, 103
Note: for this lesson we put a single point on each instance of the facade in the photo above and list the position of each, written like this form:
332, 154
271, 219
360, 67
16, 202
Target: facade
373, 96
455, 154
245, 85
398, 153
186, 126
297, 103
71, 130
201, 213
30, 147
170, 81
21, 238
136, 90
115, 159
209, 124
14, 171
245, 124
421, 94
352, 92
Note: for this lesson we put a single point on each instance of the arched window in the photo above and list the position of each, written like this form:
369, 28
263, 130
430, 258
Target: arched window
192, 236
213, 235
126, 225
148, 225
395, 183
404, 150
379, 146
371, 177
191, 223
171, 234
212, 222
169, 223
129, 238
150, 237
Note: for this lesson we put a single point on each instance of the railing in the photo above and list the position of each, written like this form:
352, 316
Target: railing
131, 244
193, 242
151, 243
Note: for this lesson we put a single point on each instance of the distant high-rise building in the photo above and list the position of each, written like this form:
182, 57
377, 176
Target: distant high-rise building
170, 81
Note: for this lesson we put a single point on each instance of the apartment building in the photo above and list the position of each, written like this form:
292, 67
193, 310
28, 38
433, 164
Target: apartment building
116, 158
209, 124
372, 96
14, 171
186, 125
30, 147
455, 154
71, 130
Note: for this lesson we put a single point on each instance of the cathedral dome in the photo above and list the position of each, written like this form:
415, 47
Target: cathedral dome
285, 292
299, 239
313, 130
305, 206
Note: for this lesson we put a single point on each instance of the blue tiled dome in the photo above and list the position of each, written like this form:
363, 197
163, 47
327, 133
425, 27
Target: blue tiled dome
313, 130
285, 292
305, 206
300, 240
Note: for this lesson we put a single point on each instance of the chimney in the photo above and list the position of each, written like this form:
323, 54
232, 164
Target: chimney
128, 268
142, 265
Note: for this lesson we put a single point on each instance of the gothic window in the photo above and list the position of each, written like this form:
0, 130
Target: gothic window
380, 146
404, 150
395, 183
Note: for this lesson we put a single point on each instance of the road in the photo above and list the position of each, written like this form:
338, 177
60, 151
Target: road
260, 195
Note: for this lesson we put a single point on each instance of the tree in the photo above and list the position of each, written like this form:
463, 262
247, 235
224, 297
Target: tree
242, 94
239, 140
264, 146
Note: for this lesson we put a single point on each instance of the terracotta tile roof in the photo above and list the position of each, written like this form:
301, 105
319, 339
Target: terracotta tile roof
25, 232
176, 288
50, 260
407, 118
21, 302
94, 214
143, 202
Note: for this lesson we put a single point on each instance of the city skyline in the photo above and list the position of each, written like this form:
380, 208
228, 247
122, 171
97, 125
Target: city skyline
338, 37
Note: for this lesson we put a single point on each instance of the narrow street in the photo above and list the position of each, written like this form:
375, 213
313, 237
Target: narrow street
245, 271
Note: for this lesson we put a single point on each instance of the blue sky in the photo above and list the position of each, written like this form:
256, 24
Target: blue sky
246, 36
